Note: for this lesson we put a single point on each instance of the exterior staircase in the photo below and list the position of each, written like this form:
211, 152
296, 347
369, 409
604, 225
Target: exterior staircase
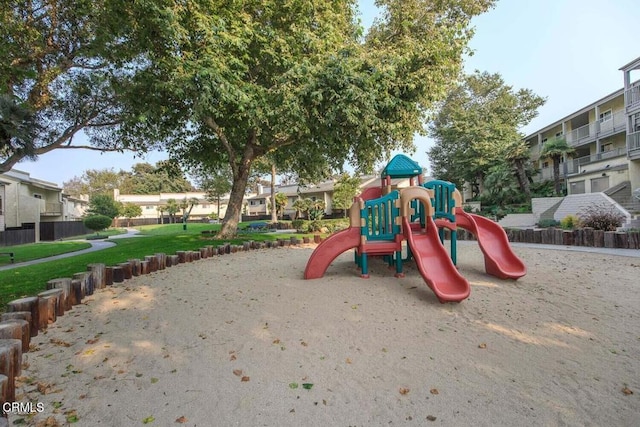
621, 193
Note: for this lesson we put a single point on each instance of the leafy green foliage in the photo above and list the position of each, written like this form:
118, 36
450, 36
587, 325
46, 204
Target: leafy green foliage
546, 223
130, 210
601, 217
97, 222
294, 81
500, 187
476, 128
104, 205
62, 64
345, 189
142, 179
281, 202
570, 222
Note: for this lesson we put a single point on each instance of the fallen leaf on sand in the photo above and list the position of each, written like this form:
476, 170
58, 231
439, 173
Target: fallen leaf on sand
237, 372
59, 342
434, 391
627, 391
483, 345
431, 418
182, 420
244, 379
403, 391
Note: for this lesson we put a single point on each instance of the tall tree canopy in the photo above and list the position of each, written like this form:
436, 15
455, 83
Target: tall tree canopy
63, 63
478, 126
143, 178
230, 82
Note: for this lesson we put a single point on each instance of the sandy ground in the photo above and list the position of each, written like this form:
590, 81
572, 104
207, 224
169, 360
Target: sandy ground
244, 340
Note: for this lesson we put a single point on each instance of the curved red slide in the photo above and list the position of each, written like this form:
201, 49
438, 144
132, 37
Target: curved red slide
499, 259
434, 263
329, 249
371, 193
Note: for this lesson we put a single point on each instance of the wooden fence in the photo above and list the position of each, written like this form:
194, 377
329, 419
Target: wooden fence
51, 231
580, 237
17, 237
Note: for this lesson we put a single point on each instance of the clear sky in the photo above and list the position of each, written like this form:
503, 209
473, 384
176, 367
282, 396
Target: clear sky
568, 51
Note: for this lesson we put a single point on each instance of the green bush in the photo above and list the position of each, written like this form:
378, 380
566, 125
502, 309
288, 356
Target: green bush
97, 222
601, 217
299, 224
570, 222
546, 223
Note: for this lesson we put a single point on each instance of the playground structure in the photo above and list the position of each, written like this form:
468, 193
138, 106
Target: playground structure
381, 218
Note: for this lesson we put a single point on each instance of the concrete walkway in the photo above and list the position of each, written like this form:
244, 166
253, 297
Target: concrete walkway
96, 245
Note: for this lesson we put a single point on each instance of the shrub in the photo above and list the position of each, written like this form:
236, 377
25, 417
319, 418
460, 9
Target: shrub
601, 217
299, 224
546, 223
97, 222
570, 222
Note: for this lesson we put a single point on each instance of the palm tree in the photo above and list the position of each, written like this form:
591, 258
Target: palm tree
518, 155
555, 149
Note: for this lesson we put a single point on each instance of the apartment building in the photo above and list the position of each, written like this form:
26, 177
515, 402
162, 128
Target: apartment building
154, 205
606, 138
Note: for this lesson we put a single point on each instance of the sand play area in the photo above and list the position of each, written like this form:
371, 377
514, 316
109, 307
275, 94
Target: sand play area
243, 340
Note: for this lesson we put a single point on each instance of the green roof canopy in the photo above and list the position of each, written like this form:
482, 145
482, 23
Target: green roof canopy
401, 167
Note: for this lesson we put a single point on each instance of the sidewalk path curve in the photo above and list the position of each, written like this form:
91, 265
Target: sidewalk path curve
96, 245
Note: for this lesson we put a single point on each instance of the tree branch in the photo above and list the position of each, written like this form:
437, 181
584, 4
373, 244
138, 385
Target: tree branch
223, 139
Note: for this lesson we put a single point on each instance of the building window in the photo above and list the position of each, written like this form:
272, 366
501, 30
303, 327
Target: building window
544, 140
37, 196
262, 201
605, 115
149, 207
545, 165
606, 147
559, 134
636, 122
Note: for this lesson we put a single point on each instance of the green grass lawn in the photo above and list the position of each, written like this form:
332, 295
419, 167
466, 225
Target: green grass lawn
40, 250
170, 238
103, 233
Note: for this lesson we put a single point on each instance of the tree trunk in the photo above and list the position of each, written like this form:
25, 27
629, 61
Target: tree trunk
521, 175
556, 176
234, 209
274, 212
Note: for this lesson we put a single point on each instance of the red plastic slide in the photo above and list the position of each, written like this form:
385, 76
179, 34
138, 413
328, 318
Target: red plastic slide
434, 263
329, 249
499, 259
371, 193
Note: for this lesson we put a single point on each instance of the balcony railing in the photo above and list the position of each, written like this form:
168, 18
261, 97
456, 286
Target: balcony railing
583, 134
573, 166
50, 209
633, 145
617, 123
579, 135
632, 96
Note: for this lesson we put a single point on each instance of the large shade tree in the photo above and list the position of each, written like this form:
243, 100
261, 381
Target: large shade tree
65, 64
478, 126
231, 82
